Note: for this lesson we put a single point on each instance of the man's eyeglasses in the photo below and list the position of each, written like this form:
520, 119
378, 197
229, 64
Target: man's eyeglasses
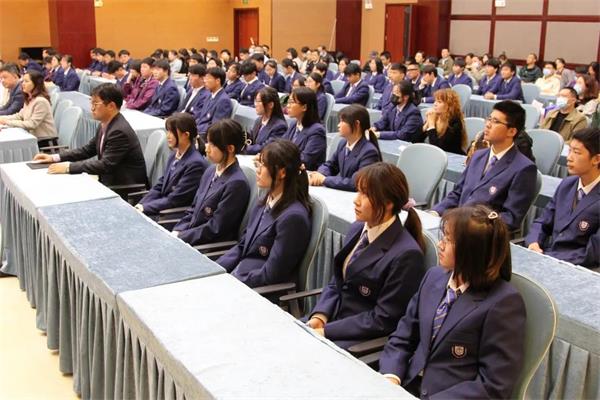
495, 121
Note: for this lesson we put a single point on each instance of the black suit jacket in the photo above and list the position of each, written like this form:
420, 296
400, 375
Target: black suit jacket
120, 160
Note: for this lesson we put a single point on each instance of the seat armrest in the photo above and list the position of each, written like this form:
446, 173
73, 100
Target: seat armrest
172, 210
277, 288
368, 347
300, 295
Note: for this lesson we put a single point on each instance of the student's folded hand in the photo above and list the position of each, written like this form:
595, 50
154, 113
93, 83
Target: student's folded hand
535, 247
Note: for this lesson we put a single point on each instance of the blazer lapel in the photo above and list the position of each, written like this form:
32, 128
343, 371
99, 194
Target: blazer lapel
499, 167
463, 306
259, 226
432, 298
591, 199
353, 154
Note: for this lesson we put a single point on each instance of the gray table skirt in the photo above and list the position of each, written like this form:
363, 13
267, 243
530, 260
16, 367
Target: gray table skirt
139, 374
25, 153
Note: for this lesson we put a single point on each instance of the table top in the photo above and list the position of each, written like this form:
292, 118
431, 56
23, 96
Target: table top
114, 248
36, 188
10, 135
208, 333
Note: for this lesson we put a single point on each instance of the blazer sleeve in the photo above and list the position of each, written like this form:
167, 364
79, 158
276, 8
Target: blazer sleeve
327, 300
409, 131
331, 166
336, 181
40, 110
384, 122
88, 150
520, 196
233, 256
14, 105
71, 82
402, 344
515, 92
542, 226
288, 249
223, 109
500, 353
116, 148
592, 251
226, 217
170, 101
180, 194
315, 149
399, 286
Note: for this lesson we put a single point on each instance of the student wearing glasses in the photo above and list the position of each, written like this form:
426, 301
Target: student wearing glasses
499, 176
270, 123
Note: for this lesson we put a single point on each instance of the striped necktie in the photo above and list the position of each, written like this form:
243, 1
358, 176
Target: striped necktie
362, 245
442, 311
490, 165
579, 196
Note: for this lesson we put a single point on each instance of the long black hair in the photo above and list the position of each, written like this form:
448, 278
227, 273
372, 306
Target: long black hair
282, 153
356, 112
307, 97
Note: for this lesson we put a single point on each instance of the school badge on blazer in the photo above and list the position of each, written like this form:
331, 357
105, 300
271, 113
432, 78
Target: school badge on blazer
208, 210
493, 189
263, 250
584, 225
364, 290
459, 351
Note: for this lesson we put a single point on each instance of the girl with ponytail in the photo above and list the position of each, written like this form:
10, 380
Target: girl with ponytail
279, 228
380, 265
463, 332
356, 150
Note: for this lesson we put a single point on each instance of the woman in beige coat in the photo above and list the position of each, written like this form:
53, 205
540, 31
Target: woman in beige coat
36, 114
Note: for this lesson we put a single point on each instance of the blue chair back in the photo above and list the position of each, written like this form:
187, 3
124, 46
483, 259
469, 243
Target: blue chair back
431, 250
473, 125
422, 182
330, 103
530, 92
152, 151
245, 116
250, 174
69, 121
234, 107
58, 111
464, 93
547, 147
532, 116
337, 86
319, 219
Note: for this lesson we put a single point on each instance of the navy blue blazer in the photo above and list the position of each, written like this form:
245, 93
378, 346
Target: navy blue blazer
277, 82
234, 88
179, 183
165, 100
248, 93
312, 143
33, 66
508, 187
195, 106
339, 76
70, 82
270, 251
428, 91
16, 100
289, 81
263, 77
415, 83
328, 88
384, 101
215, 109
378, 81
322, 105
58, 76
359, 95
404, 125
489, 85
261, 136
463, 79
341, 168
218, 207
478, 352
377, 288
511, 90
569, 234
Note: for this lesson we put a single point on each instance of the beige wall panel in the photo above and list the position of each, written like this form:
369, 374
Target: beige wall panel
560, 45
469, 36
460, 7
574, 7
528, 7
517, 38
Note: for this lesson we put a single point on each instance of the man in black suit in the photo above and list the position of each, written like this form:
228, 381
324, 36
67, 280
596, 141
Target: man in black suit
120, 158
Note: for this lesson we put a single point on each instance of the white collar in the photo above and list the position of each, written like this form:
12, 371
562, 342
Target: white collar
501, 154
587, 189
252, 81
213, 95
299, 126
375, 231
271, 201
220, 172
452, 284
349, 146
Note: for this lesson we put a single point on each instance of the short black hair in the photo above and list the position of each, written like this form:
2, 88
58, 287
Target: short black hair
244, 50
515, 114
352, 69
197, 69
217, 73
47, 59
124, 52
163, 64
272, 63
99, 51
321, 66
509, 64
226, 51
113, 66
24, 56
110, 53
148, 60
136, 65
572, 91
493, 62
68, 58
304, 49
236, 67
258, 57
430, 69
590, 138
197, 57
459, 62
11, 68
293, 52
550, 63
398, 67
386, 54
109, 93
226, 132
286, 63
247, 68
433, 59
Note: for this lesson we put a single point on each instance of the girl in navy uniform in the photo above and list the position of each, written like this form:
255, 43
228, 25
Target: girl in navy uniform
279, 228
223, 194
270, 123
307, 133
356, 150
463, 332
315, 83
185, 167
380, 265
569, 227
375, 76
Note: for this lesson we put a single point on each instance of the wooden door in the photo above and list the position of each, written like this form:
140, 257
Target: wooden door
348, 27
245, 25
397, 31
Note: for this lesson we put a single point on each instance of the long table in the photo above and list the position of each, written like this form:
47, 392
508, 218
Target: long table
96, 279
17, 145
332, 122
